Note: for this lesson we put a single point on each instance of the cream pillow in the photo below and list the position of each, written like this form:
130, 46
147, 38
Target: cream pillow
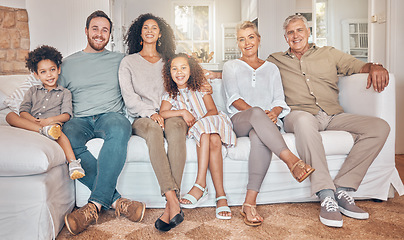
14, 100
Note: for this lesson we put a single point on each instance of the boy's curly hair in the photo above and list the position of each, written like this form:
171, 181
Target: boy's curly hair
133, 37
196, 77
42, 53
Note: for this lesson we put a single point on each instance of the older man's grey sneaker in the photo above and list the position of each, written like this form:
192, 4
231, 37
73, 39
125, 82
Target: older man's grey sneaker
347, 206
330, 214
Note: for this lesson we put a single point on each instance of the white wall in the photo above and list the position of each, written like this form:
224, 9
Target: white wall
58, 23
61, 24
395, 64
378, 32
249, 10
271, 15
340, 10
13, 3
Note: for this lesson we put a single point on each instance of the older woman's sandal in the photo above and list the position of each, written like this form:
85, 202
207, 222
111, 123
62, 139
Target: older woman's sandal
302, 165
254, 223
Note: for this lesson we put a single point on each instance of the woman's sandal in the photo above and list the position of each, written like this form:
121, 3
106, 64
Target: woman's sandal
222, 209
195, 202
302, 165
253, 223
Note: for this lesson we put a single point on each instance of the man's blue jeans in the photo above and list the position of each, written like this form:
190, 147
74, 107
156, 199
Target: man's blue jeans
102, 173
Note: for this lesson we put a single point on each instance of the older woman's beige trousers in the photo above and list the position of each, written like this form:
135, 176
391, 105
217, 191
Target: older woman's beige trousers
265, 138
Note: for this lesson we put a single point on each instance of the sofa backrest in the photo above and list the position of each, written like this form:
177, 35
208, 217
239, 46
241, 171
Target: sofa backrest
9, 83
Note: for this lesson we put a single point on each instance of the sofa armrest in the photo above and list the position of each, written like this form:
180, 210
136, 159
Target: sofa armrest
355, 98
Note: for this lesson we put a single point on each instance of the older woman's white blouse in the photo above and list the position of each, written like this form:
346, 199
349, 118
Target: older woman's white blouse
261, 87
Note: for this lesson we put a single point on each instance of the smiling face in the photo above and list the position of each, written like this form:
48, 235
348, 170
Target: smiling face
150, 31
297, 36
180, 71
248, 42
48, 73
98, 34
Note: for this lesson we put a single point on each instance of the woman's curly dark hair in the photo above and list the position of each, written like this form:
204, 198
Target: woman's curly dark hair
196, 76
133, 37
42, 53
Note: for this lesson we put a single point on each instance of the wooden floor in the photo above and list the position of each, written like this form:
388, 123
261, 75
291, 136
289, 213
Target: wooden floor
400, 165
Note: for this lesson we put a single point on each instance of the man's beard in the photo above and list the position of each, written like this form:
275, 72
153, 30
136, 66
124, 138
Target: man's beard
95, 46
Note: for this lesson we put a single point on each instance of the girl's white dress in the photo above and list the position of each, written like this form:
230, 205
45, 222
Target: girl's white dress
193, 102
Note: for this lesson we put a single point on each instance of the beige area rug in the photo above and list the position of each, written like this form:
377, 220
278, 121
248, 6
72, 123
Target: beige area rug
282, 221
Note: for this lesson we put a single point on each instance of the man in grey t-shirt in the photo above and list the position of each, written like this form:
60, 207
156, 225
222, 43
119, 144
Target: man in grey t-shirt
92, 77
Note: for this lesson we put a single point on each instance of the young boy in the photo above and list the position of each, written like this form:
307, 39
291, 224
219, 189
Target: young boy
45, 107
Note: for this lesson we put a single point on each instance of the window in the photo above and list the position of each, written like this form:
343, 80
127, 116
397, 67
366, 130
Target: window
193, 27
321, 23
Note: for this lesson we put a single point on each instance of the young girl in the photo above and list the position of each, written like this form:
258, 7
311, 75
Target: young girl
183, 78
46, 106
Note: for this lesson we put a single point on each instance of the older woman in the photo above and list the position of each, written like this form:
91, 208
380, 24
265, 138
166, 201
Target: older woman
256, 102
150, 43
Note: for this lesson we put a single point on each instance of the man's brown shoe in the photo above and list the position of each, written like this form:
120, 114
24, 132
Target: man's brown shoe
80, 219
132, 210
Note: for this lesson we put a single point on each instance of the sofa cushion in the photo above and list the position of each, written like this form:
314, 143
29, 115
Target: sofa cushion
25, 152
14, 100
335, 143
3, 114
138, 151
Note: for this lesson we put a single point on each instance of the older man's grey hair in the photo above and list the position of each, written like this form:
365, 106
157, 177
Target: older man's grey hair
293, 18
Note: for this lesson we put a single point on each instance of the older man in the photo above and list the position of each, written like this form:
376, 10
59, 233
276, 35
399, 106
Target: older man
310, 81
92, 77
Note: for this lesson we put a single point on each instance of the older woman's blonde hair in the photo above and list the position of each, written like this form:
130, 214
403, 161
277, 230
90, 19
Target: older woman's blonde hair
247, 24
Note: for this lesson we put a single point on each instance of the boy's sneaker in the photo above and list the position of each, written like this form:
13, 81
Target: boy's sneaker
132, 210
330, 214
347, 206
80, 219
75, 169
51, 131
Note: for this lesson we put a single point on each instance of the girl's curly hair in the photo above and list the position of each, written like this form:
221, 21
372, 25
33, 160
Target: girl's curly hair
196, 77
42, 53
133, 37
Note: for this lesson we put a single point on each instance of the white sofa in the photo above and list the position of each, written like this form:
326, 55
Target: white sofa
38, 192
35, 189
137, 180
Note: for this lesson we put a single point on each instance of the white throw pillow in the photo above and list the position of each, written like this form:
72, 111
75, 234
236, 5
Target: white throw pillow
3, 97
15, 99
219, 95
